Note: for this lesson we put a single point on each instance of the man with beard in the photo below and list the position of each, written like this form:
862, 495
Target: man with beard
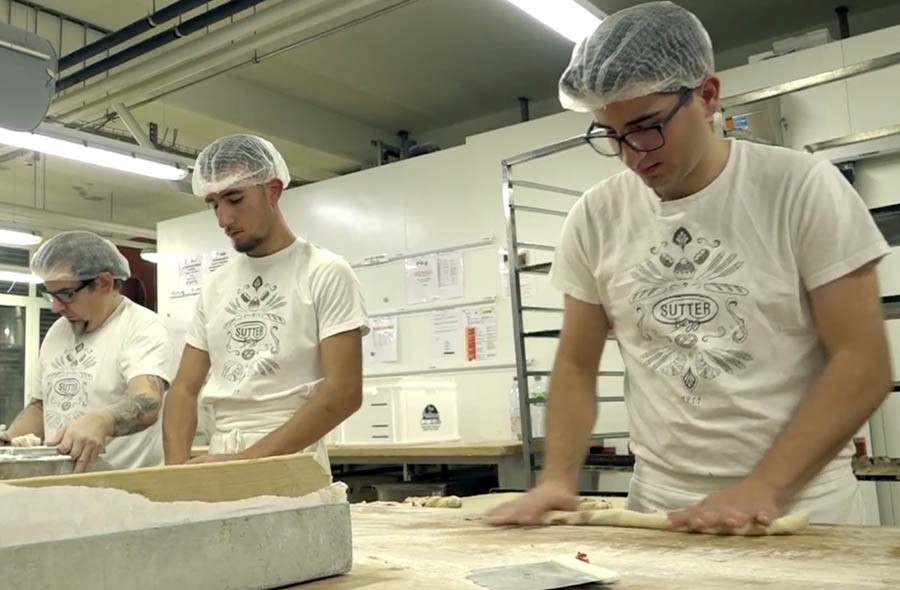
103, 366
280, 325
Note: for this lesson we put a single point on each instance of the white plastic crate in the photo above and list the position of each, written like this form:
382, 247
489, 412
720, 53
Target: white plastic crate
425, 411
372, 423
407, 411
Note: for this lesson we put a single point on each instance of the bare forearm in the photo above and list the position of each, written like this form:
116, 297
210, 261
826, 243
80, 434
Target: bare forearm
135, 412
328, 407
841, 399
29, 421
179, 426
572, 412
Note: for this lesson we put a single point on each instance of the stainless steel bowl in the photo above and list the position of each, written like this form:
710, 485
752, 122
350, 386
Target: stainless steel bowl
22, 462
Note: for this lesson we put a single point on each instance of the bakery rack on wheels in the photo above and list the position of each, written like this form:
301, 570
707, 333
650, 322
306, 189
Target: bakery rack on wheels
518, 267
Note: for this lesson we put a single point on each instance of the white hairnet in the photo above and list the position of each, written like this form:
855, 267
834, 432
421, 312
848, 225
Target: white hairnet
236, 161
78, 256
647, 49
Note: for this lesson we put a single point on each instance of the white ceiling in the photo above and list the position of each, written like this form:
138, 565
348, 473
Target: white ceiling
426, 65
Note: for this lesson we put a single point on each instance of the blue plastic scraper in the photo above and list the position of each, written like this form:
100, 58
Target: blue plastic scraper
559, 572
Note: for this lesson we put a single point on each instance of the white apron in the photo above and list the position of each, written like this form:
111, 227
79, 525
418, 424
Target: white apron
833, 497
240, 424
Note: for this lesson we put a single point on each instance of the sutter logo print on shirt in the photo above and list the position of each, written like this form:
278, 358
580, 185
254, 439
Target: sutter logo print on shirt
253, 331
67, 383
690, 312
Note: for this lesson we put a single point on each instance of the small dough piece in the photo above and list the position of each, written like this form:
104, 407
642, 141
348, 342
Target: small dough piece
26, 440
785, 525
790, 524
435, 502
451, 502
593, 504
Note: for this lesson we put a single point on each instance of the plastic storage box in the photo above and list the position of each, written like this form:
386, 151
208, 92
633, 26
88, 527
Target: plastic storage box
407, 411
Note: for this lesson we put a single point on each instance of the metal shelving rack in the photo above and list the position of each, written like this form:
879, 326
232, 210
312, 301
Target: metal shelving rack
530, 448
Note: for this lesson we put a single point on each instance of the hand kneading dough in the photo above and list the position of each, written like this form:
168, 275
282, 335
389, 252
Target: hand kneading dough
785, 525
435, 502
26, 440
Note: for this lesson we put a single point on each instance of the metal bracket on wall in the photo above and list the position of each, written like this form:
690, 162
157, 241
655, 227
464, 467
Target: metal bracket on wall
857, 69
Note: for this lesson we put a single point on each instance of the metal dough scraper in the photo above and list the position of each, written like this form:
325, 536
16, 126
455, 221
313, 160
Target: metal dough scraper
559, 572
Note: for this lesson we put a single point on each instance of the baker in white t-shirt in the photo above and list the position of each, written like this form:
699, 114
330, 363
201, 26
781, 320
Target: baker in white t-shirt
280, 325
740, 280
103, 366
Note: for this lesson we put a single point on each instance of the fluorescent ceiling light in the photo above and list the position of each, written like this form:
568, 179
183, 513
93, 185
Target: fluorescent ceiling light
81, 152
18, 238
151, 256
567, 17
11, 276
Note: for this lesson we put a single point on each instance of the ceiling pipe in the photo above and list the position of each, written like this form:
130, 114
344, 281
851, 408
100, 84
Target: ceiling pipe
211, 43
40, 219
177, 32
203, 54
133, 126
143, 140
138, 27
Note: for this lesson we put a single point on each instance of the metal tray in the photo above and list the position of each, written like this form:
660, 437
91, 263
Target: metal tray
21, 462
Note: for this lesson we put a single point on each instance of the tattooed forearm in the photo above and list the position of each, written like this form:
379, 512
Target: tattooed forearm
139, 409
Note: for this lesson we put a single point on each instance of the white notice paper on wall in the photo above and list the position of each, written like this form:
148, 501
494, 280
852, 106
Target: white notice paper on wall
422, 278
380, 344
450, 275
214, 261
447, 333
481, 333
190, 277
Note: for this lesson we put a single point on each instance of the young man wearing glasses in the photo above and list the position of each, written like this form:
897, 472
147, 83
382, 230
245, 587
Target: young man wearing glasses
741, 284
103, 366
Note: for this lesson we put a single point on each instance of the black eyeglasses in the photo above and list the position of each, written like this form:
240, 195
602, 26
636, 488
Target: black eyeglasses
645, 139
65, 296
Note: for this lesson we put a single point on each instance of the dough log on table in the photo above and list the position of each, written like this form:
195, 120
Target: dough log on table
435, 501
593, 504
785, 525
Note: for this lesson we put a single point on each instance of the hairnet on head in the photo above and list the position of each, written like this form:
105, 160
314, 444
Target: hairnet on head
647, 49
78, 256
236, 161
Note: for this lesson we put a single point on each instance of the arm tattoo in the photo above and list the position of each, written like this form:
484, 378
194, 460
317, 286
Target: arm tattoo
130, 415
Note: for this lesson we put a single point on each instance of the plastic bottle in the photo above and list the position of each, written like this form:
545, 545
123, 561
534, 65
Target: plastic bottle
539, 408
515, 412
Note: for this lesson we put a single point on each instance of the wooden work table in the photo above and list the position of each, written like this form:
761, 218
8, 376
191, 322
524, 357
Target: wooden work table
403, 548
452, 450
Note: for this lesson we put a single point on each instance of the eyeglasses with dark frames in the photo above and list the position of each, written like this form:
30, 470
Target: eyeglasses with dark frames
65, 296
646, 139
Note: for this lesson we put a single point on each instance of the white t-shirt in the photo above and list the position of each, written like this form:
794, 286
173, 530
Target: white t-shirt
261, 321
708, 298
82, 373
